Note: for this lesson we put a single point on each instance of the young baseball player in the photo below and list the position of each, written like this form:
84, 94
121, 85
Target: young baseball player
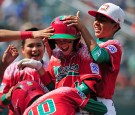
105, 50
8, 35
31, 49
28, 98
70, 64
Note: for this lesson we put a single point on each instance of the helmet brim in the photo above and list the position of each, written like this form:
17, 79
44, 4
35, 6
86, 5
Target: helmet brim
63, 36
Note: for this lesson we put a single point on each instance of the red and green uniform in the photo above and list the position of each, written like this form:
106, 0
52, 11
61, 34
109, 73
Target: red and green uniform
12, 76
77, 67
109, 70
62, 101
108, 56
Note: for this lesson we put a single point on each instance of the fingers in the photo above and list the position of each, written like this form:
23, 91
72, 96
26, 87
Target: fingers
78, 14
14, 51
48, 30
8, 49
20, 64
46, 33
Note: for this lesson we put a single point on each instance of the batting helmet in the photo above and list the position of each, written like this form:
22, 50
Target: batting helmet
23, 94
62, 31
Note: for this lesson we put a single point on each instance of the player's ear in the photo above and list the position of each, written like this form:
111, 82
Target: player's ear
116, 27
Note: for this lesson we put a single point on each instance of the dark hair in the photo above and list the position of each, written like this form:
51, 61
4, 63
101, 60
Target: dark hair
30, 29
51, 43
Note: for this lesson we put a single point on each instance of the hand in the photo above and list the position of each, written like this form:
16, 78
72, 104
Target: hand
45, 33
30, 63
74, 21
10, 54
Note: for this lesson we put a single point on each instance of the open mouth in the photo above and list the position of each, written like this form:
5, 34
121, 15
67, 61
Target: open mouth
35, 56
65, 49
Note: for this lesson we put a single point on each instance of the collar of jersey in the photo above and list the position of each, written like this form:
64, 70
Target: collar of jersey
102, 40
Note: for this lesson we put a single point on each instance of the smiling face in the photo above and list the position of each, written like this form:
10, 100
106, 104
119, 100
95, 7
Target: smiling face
33, 49
66, 46
104, 27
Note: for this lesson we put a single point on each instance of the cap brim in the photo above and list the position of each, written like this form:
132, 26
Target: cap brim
63, 36
92, 13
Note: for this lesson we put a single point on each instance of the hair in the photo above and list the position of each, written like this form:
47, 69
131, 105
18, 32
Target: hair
76, 44
30, 29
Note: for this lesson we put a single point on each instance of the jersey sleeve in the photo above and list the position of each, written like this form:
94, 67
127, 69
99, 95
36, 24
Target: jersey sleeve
115, 51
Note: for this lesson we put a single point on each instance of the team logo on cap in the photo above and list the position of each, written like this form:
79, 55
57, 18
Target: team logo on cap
104, 7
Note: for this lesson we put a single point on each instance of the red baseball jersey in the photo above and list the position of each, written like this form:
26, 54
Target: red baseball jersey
13, 75
65, 71
61, 101
105, 88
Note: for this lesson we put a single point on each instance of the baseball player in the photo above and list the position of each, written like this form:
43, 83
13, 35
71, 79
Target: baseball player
31, 49
28, 98
70, 65
105, 50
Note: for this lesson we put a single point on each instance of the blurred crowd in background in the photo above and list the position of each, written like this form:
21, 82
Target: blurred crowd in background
24, 14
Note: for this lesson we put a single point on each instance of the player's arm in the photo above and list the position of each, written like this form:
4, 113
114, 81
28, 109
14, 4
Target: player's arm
97, 108
92, 106
8, 57
45, 77
8, 35
100, 55
84, 88
5, 98
76, 21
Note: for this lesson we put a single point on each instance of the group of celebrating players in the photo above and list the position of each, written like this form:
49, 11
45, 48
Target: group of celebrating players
78, 79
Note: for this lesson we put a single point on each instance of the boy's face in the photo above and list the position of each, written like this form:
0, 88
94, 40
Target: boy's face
104, 27
33, 49
65, 45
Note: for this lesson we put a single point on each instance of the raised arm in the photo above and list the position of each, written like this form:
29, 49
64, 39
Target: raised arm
10, 54
76, 21
8, 35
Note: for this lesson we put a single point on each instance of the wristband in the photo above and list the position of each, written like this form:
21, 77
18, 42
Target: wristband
26, 34
4, 100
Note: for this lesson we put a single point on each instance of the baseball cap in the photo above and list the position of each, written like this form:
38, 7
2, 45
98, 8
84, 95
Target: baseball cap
111, 11
62, 31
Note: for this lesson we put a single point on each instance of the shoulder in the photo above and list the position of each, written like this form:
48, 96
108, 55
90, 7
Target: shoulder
111, 42
112, 45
